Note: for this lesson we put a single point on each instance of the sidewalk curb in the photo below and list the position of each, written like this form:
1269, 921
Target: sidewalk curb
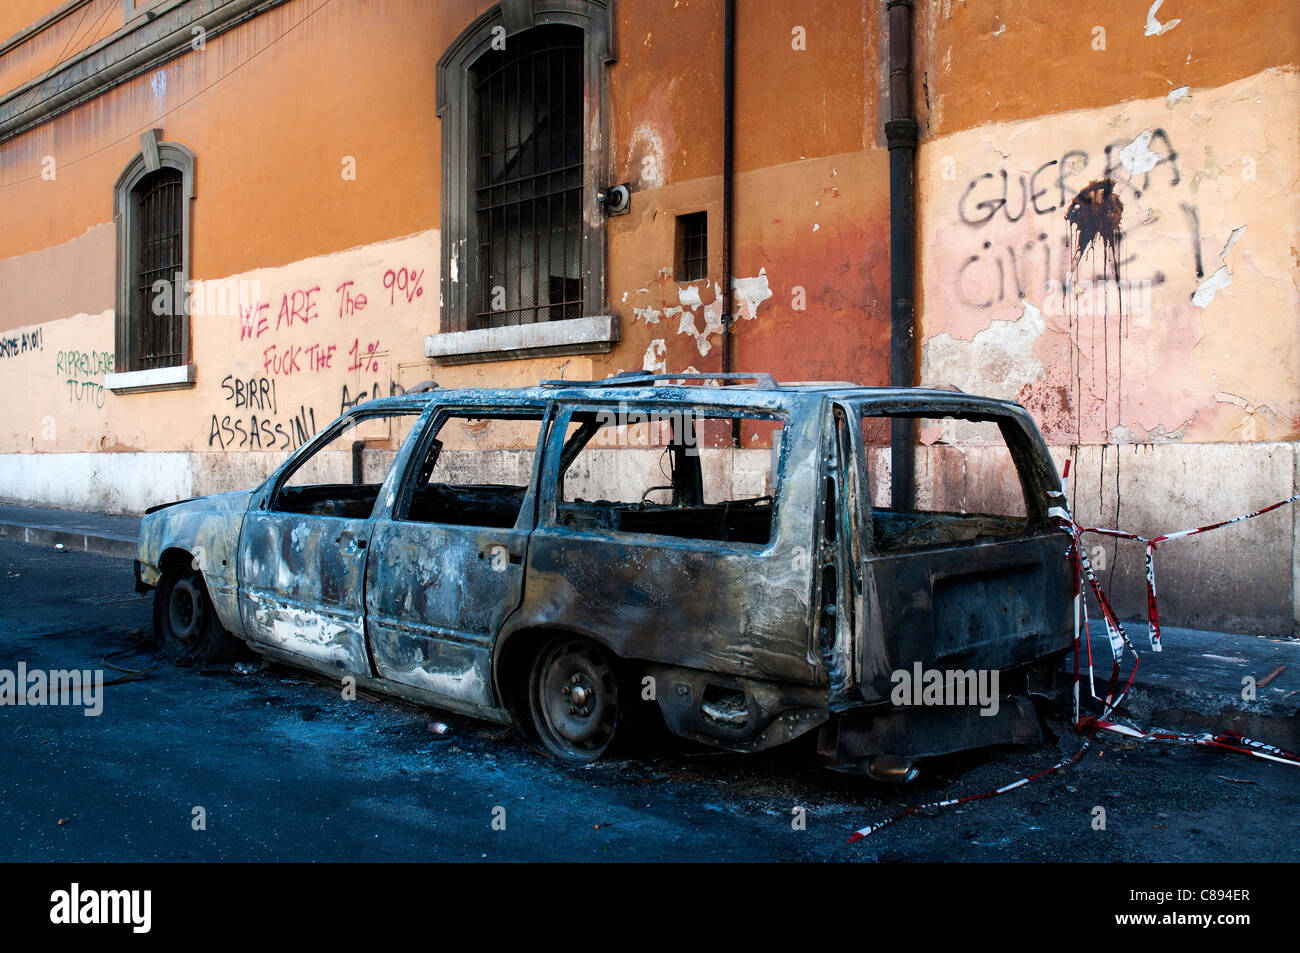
1199, 683
1184, 708
121, 547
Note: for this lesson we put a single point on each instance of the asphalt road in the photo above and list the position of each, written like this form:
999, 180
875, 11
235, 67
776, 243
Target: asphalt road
285, 769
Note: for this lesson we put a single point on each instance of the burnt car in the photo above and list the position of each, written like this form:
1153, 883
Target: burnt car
721, 549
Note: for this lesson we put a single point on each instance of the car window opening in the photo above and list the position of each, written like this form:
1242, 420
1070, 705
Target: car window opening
342, 478
475, 470
970, 482
670, 473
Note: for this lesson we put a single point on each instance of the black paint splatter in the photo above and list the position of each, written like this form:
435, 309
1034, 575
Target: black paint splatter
1095, 215
1095, 218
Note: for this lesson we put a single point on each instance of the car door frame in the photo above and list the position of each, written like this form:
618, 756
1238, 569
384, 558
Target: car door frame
897, 631
350, 653
417, 641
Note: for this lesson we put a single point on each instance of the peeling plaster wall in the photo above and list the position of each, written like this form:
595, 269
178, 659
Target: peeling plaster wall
811, 285
1012, 60
1189, 414
273, 213
811, 217
1209, 189
1196, 345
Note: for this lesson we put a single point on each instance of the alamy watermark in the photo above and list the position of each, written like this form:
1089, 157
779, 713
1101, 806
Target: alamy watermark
76, 905
228, 297
41, 687
1104, 297
631, 427
949, 687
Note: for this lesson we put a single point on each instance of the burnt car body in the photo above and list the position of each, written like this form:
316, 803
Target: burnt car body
738, 569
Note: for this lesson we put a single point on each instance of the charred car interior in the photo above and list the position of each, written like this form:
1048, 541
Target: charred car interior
540, 555
668, 494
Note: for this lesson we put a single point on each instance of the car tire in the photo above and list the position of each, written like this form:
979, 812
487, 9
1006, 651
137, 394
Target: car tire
186, 622
573, 699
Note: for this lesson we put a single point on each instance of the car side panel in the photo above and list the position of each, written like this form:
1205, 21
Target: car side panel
302, 577
436, 597
302, 583
727, 608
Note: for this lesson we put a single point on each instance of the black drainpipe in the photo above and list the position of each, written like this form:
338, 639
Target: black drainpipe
728, 154
728, 123
900, 133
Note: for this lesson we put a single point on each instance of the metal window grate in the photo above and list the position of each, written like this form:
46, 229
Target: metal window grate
158, 255
692, 246
529, 178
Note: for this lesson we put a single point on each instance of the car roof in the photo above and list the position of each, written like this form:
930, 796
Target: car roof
719, 390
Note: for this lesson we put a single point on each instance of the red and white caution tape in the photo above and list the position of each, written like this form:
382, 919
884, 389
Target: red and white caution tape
1119, 644
936, 805
1153, 614
1228, 740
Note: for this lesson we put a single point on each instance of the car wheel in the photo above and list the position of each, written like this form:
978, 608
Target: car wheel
573, 699
185, 621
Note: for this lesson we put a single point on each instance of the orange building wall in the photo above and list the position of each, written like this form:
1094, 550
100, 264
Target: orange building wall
270, 132
76, 31
1161, 400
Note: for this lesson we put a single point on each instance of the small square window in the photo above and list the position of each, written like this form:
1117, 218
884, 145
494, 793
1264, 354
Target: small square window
692, 246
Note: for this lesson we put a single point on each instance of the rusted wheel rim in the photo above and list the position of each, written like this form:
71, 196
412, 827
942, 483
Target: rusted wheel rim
575, 700
185, 609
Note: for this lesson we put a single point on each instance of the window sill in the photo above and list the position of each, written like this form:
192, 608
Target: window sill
594, 335
156, 378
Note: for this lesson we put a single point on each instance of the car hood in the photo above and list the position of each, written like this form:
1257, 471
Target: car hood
232, 500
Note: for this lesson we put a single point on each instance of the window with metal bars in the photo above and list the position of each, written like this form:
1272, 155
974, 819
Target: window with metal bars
157, 255
692, 246
528, 178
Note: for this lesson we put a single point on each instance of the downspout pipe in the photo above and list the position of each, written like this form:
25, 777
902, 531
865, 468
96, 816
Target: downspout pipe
728, 141
728, 161
901, 135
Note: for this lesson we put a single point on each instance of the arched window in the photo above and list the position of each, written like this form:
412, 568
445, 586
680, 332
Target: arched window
528, 181
151, 206
157, 263
520, 97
